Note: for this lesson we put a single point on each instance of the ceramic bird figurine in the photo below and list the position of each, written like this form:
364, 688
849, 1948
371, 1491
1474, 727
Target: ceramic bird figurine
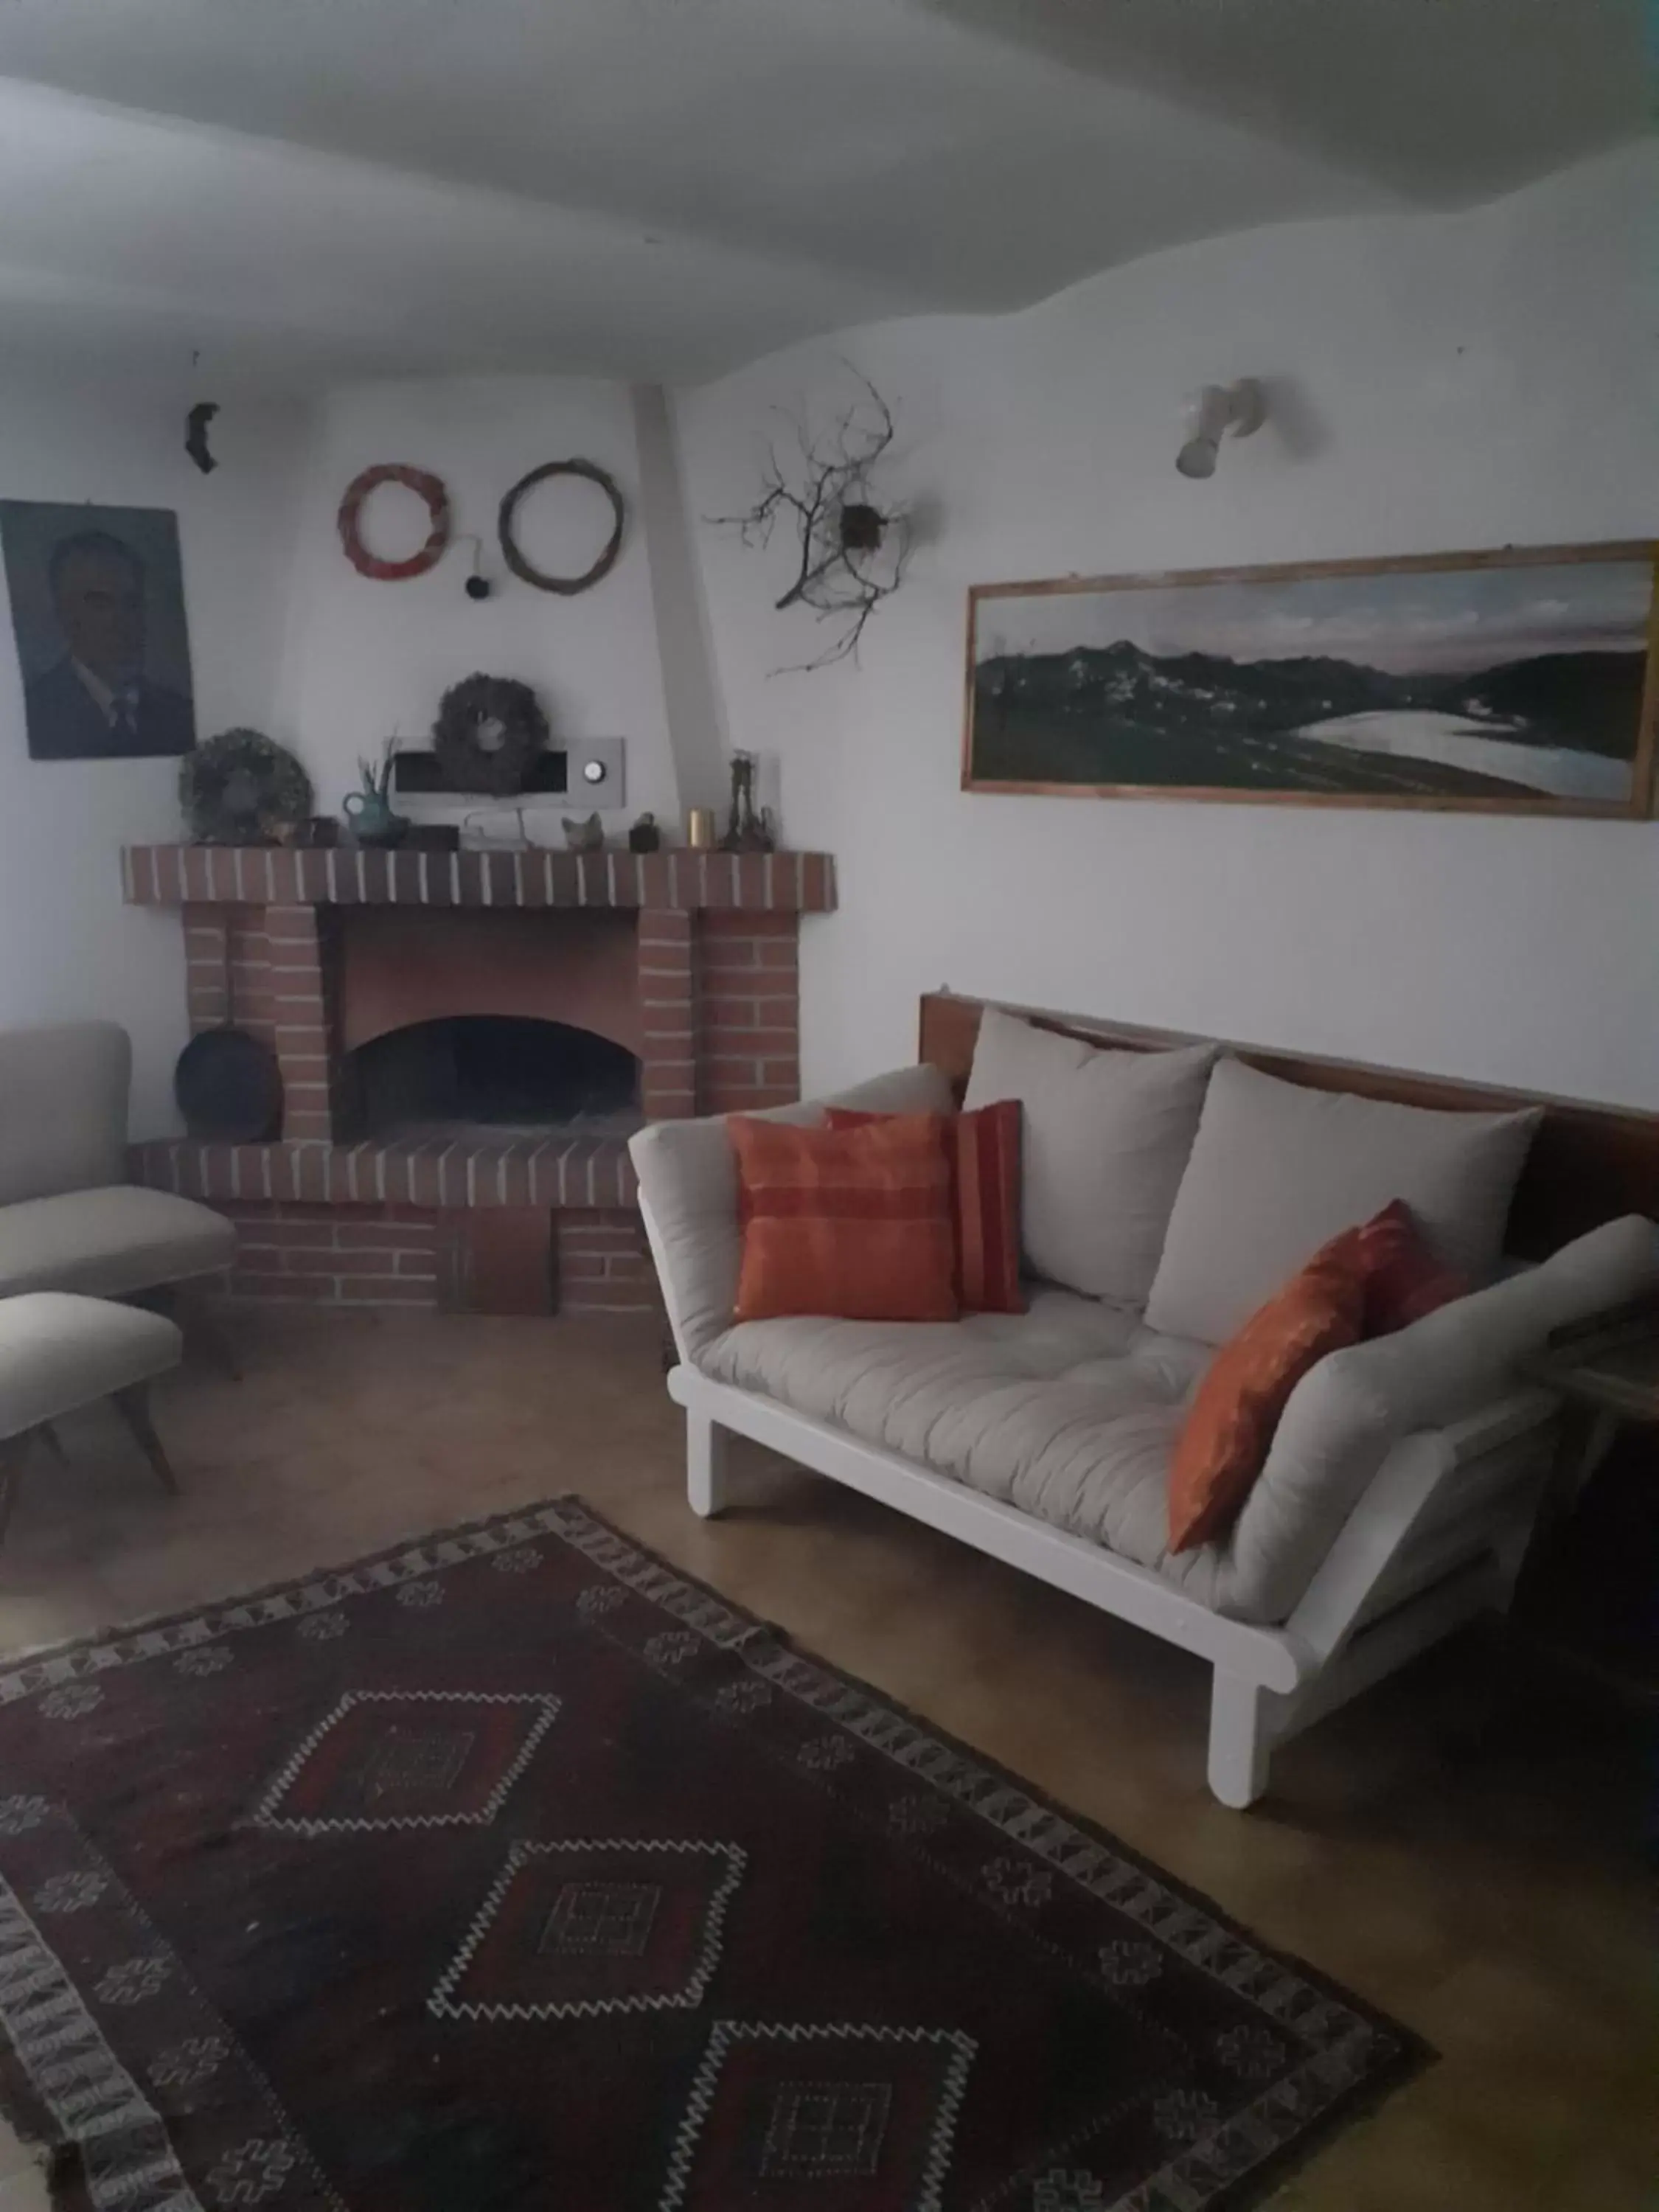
585, 836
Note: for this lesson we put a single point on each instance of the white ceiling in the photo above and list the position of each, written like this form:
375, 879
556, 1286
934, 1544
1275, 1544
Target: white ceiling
303, 189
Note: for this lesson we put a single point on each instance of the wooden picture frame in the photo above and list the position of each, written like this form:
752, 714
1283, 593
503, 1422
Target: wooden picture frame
1445, 678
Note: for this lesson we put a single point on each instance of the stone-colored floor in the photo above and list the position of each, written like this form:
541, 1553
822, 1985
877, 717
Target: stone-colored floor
1460, 1845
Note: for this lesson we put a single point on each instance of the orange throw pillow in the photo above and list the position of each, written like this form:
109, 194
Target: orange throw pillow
854, 1222
1229, 1425
982, 1149
1403, 1279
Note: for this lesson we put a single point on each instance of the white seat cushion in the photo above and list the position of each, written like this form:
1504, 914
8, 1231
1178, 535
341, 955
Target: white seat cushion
1068, 1411
59, 1351
107, 1244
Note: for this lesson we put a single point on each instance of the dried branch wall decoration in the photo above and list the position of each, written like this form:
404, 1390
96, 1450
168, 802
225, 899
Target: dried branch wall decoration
852, 550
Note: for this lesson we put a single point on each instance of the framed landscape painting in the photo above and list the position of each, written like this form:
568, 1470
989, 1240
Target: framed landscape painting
1507, 682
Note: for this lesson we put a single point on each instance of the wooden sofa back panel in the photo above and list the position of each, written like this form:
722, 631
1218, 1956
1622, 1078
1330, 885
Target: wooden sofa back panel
1588, 1164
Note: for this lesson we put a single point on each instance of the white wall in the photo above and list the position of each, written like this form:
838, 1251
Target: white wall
69, 948
285, 635
365, 659
1457, 382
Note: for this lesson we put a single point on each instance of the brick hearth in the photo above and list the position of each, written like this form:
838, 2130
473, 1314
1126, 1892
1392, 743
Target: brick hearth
503, 1222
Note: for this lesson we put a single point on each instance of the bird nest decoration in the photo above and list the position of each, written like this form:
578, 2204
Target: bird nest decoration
243, 788
852, 550
488, 732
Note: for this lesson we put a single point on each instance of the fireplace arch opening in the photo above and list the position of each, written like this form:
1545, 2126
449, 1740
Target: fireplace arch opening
501, 1072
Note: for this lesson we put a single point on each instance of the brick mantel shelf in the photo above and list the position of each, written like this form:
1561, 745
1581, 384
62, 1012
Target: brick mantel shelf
526, 876
476, 1219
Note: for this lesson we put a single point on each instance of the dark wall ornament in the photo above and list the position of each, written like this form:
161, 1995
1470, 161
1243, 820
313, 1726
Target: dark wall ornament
196, 434
851, 549
488, 733
243, 788
568, 586
429, 488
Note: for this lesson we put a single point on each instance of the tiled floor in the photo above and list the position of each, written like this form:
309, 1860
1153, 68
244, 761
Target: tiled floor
1457, 1845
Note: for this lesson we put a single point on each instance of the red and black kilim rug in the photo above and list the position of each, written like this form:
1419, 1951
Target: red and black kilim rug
512, 1869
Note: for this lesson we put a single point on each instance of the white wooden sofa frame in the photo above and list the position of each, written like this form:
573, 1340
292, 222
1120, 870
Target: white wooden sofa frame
1437, 1537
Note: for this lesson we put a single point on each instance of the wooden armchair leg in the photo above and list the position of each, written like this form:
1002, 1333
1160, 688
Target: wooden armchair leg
134, 1407
205, 1332
13, 1452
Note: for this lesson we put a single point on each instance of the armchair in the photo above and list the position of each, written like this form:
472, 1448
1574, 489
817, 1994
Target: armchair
70, 1220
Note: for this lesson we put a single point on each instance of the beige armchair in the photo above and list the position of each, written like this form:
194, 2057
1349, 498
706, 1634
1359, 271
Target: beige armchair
70, 1220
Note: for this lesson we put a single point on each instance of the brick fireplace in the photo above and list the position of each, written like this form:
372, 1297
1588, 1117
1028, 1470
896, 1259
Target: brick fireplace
466, 1041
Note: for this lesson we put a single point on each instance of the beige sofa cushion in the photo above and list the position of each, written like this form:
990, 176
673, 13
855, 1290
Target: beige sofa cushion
58, 1352
63, 1108
1106, 1135
688, 1181
1070, 1412
108, 1242
1276, 1169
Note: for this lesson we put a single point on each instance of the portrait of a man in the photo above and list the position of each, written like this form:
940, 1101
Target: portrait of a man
97, 606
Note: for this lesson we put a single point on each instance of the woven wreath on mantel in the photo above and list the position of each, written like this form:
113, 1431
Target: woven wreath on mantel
489, 732
242, 788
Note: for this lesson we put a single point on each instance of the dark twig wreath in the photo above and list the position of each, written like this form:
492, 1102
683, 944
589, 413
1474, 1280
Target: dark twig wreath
242, 788
569, 586
488, 733
429, 488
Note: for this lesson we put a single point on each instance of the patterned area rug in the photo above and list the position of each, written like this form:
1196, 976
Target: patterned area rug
513, 1869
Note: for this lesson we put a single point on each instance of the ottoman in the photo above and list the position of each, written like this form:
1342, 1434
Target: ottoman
59, 1351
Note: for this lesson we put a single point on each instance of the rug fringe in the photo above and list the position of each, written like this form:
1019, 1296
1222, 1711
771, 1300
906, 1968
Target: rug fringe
246, 1594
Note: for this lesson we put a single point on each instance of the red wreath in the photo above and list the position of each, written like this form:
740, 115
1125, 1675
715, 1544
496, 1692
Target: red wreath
429, 488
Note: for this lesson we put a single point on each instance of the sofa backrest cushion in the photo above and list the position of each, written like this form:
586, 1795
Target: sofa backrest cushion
1276, 1170
63, 1108
688, 1177
1107, 1138
1348, 1411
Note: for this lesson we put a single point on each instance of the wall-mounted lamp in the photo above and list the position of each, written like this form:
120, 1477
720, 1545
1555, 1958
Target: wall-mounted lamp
1220, 408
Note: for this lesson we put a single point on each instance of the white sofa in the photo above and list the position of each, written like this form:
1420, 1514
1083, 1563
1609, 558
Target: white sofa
1402, 1482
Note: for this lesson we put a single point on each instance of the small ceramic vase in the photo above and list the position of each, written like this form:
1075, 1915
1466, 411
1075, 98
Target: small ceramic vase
371, 820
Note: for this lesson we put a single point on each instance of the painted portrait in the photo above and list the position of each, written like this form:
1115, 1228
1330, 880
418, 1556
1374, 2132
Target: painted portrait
97, 606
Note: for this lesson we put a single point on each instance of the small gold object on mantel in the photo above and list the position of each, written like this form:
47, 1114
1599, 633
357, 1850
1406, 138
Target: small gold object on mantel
700, 830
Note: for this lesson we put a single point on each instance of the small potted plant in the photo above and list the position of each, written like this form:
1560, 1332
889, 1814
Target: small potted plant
369, 811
